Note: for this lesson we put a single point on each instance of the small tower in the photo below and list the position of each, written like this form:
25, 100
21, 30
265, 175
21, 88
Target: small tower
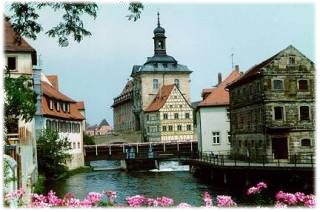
159, 39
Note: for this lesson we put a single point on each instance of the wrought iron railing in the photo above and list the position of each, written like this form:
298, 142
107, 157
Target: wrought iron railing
293, 160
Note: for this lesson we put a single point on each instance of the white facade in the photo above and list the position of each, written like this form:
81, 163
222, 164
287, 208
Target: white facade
74, 133
213, 128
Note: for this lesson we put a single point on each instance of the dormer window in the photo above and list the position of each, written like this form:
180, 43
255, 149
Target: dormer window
12, 63
58, 105
68, 108
51, 104
64, 107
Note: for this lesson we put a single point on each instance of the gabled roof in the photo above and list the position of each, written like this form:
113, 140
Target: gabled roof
50, 91
93, 127
11, 45
253, 72
219, 96
103, 123
161, 98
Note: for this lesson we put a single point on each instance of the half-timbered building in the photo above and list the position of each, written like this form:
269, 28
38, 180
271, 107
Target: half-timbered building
169, 116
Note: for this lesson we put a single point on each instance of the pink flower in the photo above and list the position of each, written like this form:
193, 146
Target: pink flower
53, 200
287, 198
151, 202
257, 189
262, 185
85, 203
253, 190
309, 201
183, 205
165, 201
94, 197
15, 195
280, 205
135, 201
207, 199
225, 201
300, 196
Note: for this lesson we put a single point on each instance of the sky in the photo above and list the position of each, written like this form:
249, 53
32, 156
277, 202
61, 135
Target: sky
201, 36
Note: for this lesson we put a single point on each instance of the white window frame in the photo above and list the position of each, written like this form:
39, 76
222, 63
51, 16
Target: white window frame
51, 104
215, 136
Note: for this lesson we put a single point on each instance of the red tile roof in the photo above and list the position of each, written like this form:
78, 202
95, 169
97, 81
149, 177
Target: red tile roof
252, 72
73, 115
51, 92
160, 99
80, 105
219, 96
53, 80
11, 44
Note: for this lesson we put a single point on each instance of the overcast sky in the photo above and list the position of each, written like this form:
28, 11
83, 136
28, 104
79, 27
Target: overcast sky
200, 36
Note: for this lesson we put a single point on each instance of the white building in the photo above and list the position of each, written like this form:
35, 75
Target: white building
64, 115
213, 123
19, 58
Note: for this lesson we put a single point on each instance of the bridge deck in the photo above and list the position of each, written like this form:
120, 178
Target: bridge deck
150, 150
295, 162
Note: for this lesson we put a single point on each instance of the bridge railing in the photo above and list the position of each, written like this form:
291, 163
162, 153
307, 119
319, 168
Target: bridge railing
294, 160
176, 149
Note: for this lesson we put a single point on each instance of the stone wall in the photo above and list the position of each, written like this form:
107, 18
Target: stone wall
253, 104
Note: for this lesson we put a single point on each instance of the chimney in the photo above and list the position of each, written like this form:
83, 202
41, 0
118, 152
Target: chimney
219, 78
236, 68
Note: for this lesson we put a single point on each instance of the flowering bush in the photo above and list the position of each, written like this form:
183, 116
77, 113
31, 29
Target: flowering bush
225, 201
297, 199
257, 189
21, 199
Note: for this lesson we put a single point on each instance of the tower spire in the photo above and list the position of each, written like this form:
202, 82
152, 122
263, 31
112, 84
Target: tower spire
158, 19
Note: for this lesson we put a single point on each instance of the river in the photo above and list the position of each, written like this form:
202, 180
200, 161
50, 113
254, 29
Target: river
172, 180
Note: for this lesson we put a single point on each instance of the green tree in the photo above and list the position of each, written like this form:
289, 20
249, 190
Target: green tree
88, 140
24, 19
52, 153
20, 101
